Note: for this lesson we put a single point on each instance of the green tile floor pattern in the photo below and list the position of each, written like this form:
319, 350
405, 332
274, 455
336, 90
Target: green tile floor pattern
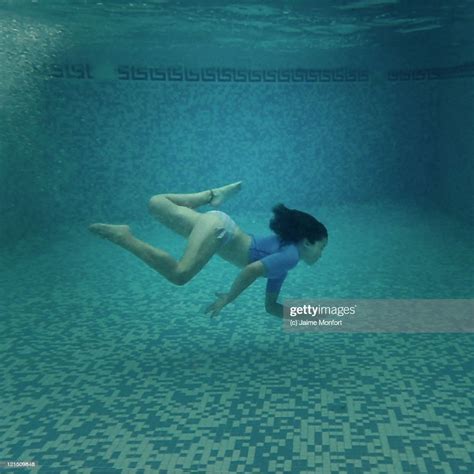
108, 368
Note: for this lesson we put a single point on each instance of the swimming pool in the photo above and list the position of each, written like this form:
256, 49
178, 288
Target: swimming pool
108, 367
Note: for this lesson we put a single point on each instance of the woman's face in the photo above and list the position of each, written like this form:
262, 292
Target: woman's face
310, 253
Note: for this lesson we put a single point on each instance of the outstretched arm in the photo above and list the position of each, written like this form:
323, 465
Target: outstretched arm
244, 279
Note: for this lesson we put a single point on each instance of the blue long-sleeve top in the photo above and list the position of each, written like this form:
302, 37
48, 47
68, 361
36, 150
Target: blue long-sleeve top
278, 257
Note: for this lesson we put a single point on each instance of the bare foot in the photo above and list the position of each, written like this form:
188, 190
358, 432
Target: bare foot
225, 192
115, 233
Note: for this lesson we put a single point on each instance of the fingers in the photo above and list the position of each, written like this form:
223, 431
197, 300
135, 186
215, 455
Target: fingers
210, 308
214, 308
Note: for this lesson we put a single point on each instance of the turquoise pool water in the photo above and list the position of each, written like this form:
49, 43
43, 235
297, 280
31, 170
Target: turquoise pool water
359, 112
109, 368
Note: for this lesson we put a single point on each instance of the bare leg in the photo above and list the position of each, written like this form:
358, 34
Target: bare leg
192, 201
152, 256
176, 211
202, 245
215, 197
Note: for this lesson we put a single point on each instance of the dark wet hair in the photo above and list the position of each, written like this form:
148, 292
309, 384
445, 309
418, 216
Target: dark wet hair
293, 225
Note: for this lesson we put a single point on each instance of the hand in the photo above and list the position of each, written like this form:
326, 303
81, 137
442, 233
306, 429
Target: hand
217, 305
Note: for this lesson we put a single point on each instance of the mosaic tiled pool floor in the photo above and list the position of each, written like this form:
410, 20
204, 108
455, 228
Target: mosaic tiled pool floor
106, 367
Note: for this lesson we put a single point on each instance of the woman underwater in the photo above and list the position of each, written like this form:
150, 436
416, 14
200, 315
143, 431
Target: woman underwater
297, 235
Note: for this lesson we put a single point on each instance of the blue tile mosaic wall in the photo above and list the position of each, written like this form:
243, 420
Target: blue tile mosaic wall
107, 368
218, 74
454, 185
112, 144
